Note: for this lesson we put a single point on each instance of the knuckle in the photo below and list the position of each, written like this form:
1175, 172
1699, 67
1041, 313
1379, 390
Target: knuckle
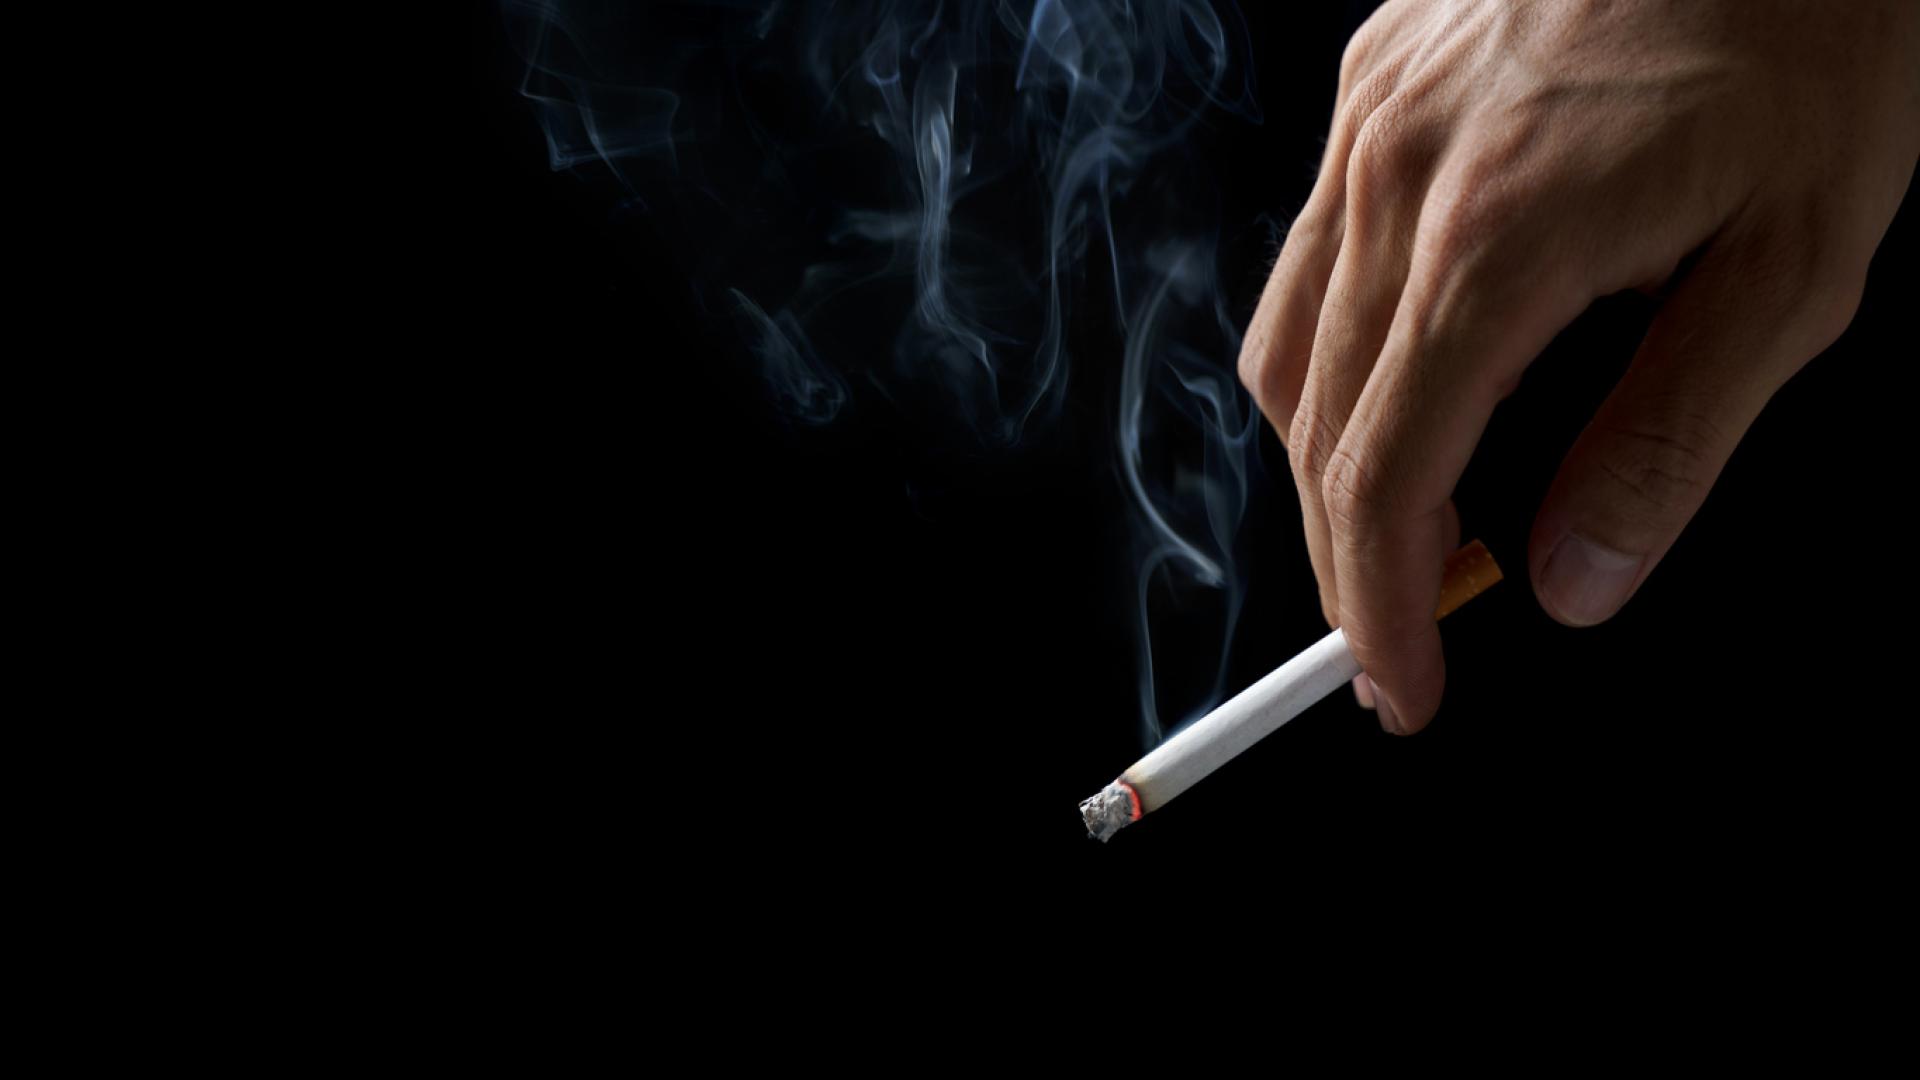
1804, 294
1271, 354
1362, 101
1381, 159
1254, 363
1357, 56
1806, 272
1662, 471
1350, 490
1264, 375
1311, 440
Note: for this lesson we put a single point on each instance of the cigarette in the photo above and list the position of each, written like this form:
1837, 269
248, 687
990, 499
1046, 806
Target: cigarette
1259, 710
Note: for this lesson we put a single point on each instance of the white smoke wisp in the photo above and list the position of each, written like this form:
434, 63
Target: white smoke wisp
930, 202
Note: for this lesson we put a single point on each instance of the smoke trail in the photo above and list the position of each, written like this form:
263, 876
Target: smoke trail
974, 180
587, 112
802, 386
1186, 526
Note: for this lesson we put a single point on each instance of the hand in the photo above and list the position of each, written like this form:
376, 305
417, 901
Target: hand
1492, 169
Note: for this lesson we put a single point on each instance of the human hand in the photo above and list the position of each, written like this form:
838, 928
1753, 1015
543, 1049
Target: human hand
1493, 168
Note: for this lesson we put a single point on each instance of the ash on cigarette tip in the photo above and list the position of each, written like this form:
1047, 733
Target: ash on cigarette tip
1107, 812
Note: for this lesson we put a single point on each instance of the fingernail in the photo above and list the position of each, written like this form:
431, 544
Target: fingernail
1586, 582
1389, 723
1363, 691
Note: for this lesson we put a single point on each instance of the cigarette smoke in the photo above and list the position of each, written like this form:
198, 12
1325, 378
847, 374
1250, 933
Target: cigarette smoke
975, 179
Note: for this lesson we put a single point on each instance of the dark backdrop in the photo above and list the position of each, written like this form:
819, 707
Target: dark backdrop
854, 665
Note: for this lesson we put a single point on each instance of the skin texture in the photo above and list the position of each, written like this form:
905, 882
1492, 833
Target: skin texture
1492, 168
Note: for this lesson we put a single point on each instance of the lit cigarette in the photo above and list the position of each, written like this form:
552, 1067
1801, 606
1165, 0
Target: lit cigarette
1256, 712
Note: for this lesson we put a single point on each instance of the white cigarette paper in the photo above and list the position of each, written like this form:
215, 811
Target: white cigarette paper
1256, 712
1220, 736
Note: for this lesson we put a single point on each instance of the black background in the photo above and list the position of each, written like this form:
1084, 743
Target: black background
884, 673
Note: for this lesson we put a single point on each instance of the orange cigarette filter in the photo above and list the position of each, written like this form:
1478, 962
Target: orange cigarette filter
1469, 572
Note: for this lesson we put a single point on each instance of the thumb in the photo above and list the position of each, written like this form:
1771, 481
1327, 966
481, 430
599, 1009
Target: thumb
1717, 351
